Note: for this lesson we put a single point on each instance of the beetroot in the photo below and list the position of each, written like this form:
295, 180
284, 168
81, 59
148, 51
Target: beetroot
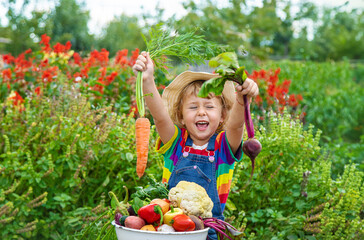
252, 146
227, 66
117, 218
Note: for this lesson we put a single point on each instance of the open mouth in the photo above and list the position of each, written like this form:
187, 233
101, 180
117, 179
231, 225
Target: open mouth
202, 125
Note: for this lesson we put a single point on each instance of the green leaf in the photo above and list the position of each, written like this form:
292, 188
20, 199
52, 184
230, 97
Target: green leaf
310, 237
228, 59
114, 200
227, 67
215, 85
292, 237
230, 205
300, 204
129, 156
107, 180
137, 204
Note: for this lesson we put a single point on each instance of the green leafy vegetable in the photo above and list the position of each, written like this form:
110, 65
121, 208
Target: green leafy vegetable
188, 47
227, 67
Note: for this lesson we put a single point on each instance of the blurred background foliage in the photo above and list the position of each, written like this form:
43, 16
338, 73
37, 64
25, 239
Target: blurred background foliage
272, 30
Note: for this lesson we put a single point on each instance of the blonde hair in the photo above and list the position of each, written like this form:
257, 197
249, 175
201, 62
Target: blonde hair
192, 89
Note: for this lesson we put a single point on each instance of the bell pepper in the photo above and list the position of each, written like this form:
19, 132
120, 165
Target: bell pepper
168, 216
151, 213
183, 223
161, 202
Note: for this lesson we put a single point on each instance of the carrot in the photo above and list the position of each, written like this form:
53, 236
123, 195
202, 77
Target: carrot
142, 132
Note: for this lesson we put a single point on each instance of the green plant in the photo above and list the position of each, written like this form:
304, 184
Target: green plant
293, 176
58, 158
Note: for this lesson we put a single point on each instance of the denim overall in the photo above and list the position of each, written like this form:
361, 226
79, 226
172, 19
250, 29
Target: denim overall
201, 170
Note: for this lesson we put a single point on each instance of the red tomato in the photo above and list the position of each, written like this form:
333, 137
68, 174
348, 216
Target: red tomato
183, 223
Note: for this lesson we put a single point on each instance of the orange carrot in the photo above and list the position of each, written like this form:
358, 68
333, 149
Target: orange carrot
142, 132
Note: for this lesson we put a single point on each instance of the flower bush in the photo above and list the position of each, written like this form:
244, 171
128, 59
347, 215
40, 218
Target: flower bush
101, 80
274, 95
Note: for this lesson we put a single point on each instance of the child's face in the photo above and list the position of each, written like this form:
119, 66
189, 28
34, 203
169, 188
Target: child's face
201, 116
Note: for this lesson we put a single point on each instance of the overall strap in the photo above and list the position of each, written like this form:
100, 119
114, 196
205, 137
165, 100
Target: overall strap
211, 145
189, 141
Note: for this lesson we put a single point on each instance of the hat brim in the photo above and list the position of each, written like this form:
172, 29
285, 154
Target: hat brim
171, 93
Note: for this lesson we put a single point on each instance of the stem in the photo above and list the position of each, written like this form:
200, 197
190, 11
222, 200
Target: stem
158, 209
248, 118
139, 94
126, 195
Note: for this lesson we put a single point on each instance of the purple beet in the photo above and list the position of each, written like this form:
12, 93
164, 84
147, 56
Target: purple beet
117, 218
252, 146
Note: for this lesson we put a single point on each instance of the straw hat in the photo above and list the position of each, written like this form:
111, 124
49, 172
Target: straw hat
171, 93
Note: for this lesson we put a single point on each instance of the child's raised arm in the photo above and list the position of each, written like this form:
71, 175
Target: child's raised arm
235, 123
162, 120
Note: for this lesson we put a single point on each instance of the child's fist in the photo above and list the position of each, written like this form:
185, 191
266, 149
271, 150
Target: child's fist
144, 64
249, 88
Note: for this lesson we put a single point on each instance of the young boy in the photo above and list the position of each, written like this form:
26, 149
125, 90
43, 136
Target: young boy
190, 129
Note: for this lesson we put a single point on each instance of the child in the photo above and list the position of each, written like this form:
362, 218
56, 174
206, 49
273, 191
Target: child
190, 129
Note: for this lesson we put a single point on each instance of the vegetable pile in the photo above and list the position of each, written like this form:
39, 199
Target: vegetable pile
228, 68
189, 48
176, 213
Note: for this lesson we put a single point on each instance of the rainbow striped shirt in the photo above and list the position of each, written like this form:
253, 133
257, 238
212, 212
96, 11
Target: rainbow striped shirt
225, 163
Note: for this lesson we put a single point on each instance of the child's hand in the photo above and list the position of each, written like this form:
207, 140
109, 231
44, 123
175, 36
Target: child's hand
249, 88
144, 64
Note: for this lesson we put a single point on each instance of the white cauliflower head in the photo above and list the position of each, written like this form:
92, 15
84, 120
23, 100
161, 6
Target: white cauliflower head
191, 198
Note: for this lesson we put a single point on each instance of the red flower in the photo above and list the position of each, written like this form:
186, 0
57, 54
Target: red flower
45, 41
133, 108
6, 74
161, 87
292, 100
99, 86
44, 63
77, 58
273, 79
102, 57
281, 109
258, 100
103, 71
111, 78
68, 45
49, 74
277, 71
58, 48
285, 85
38, 91
271, 89
270, 101
84, 72
121, 57
8, 59
17, 100
262, 73
134, 57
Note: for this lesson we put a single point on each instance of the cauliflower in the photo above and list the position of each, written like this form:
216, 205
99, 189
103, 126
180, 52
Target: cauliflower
191, 198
